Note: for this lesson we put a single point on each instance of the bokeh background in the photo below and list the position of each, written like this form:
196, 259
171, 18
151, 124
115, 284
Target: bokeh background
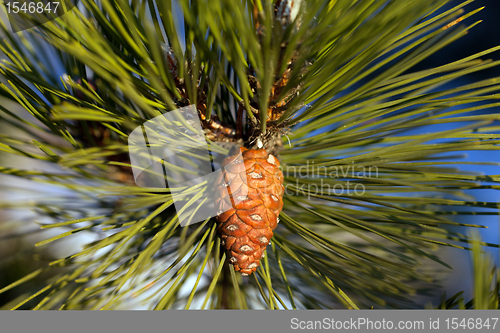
18, 256
484, 36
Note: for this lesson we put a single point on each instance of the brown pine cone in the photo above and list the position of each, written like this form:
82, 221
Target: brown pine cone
250, 200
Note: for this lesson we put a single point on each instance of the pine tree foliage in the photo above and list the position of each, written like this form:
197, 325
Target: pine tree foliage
327, 87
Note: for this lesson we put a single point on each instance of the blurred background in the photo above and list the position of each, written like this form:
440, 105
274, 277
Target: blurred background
18, 256
482, 37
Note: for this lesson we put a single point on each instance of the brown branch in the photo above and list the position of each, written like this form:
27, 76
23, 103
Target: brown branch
239, 122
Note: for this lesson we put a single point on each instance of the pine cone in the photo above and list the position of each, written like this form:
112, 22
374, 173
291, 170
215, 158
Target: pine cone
250, 199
